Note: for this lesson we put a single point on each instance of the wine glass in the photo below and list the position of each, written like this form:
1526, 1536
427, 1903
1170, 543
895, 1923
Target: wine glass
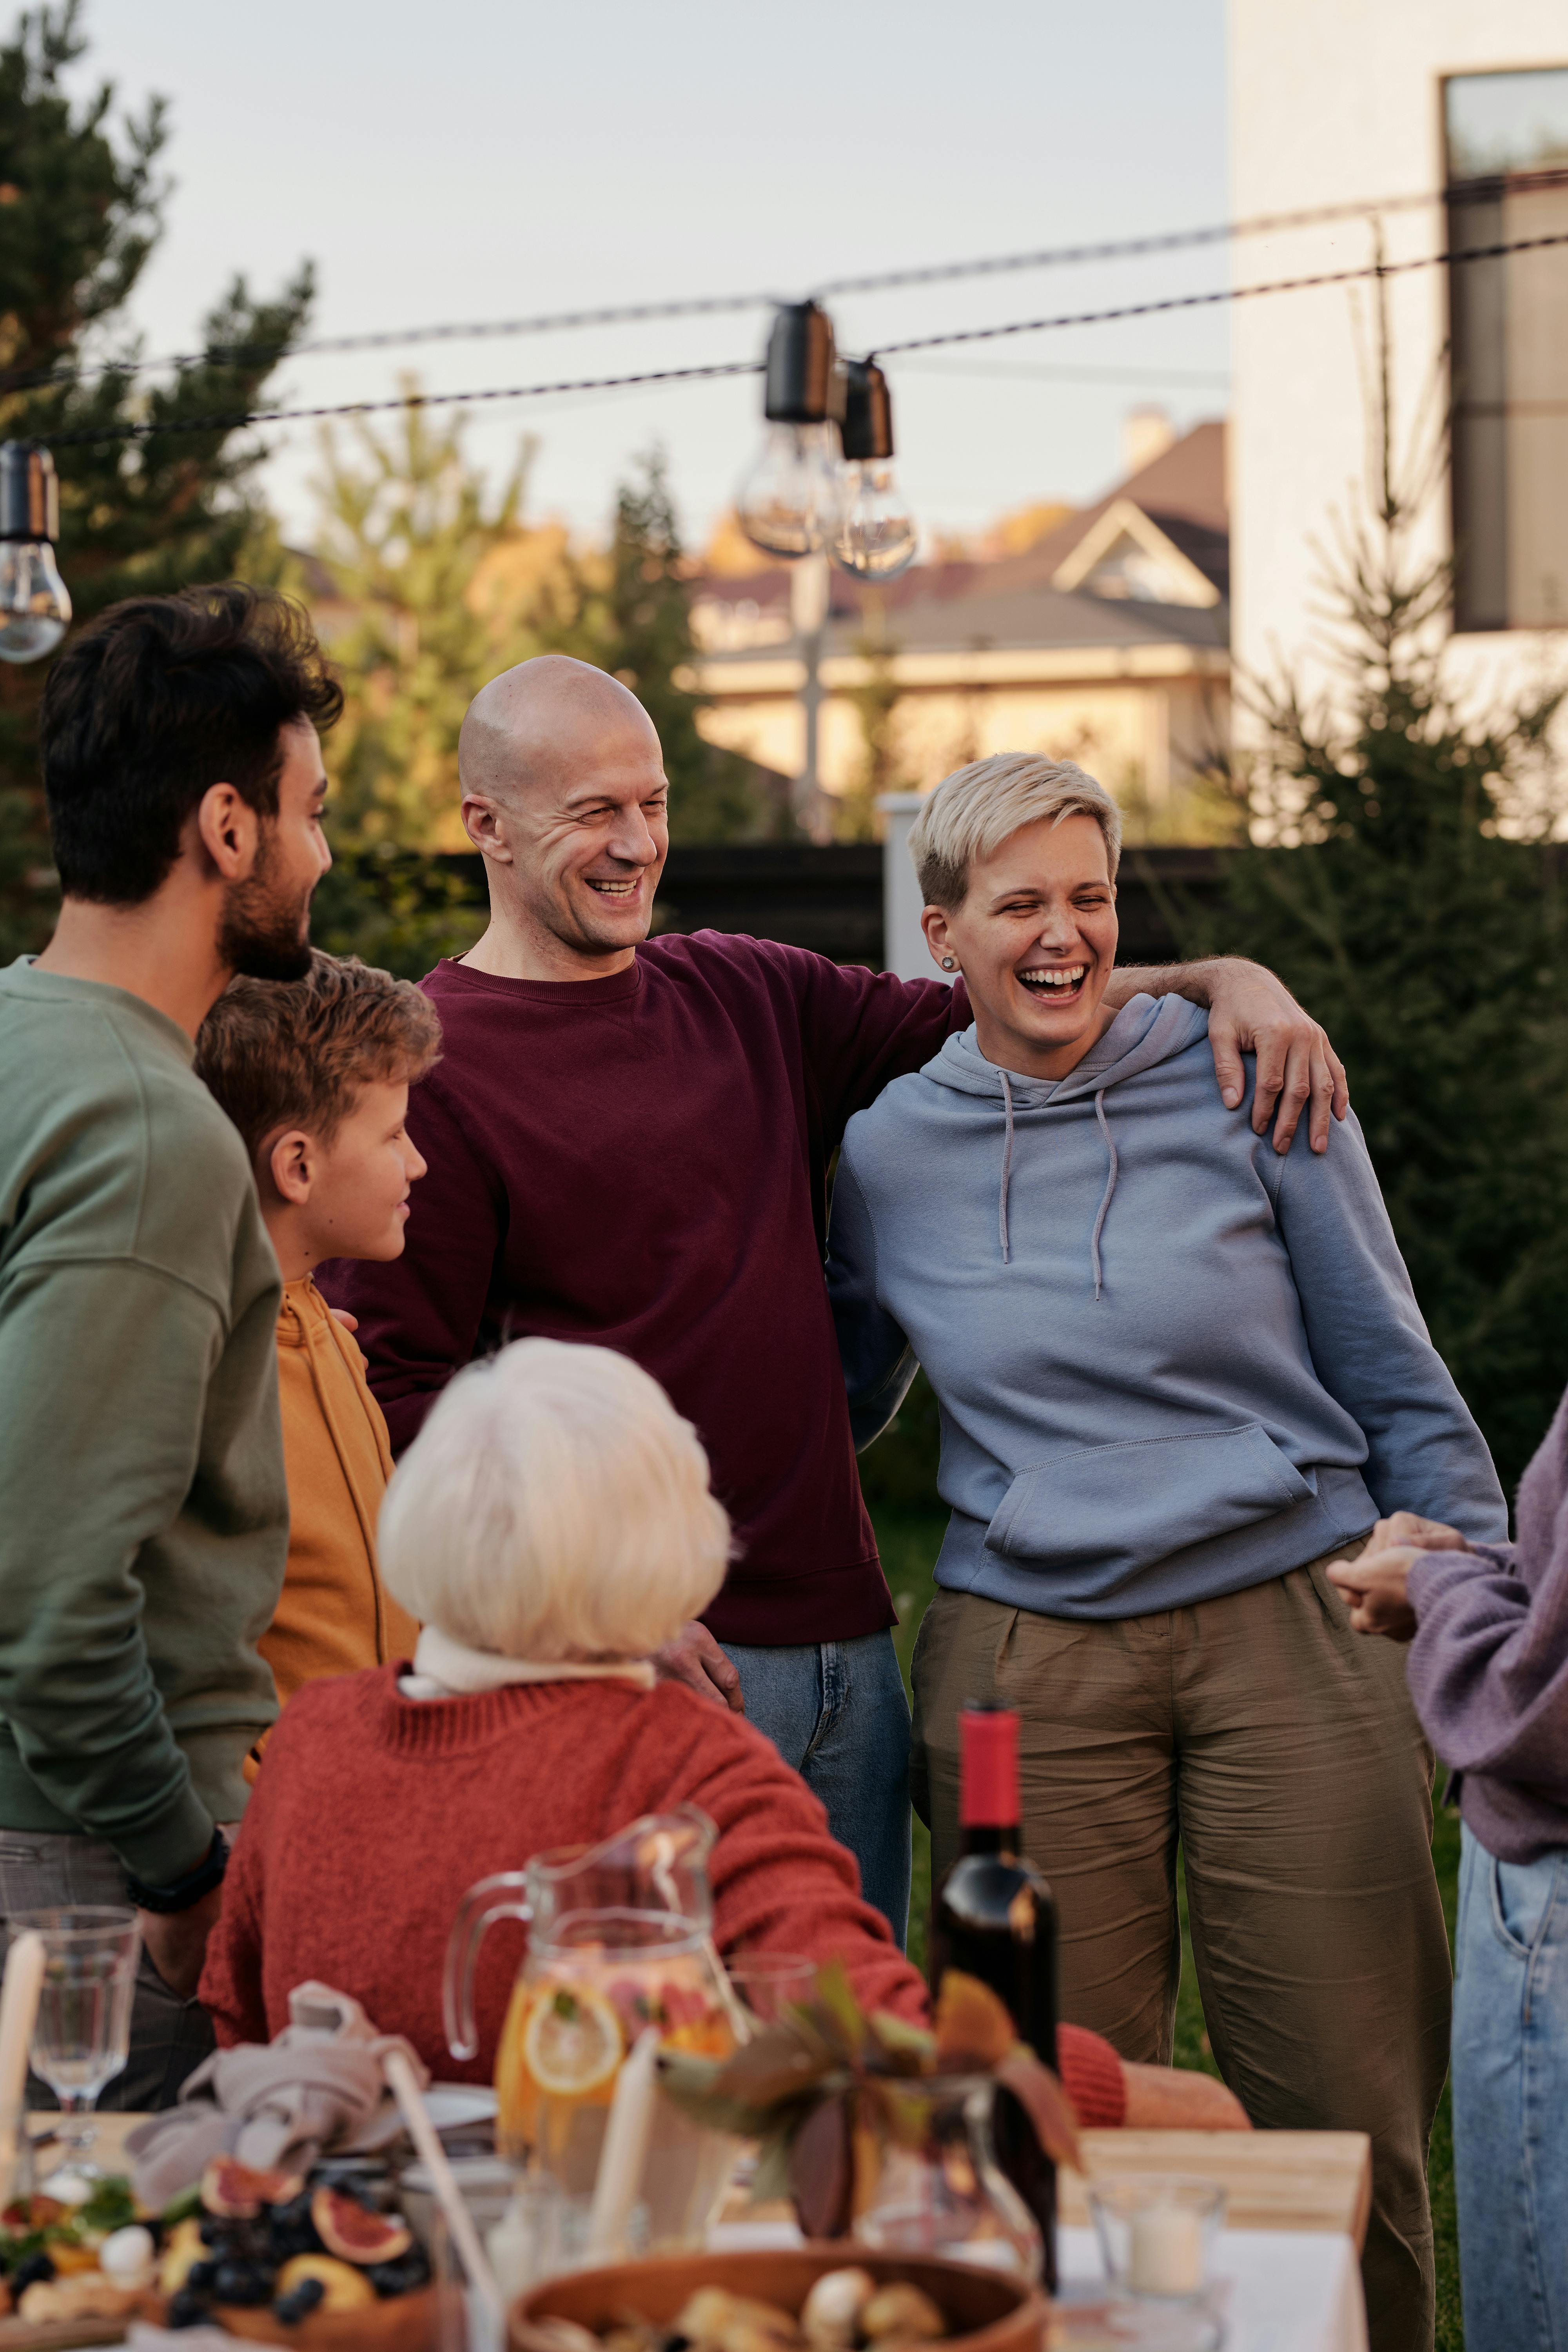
771, 1983
82, 2037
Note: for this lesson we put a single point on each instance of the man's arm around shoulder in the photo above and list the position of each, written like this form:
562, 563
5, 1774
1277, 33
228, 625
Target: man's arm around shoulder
1250, 1012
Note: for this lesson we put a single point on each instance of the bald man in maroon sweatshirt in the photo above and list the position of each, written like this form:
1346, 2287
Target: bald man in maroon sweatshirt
627, 1143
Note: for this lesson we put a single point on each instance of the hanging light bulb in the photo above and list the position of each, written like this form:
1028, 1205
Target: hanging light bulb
874, 534
35, 606
786, 503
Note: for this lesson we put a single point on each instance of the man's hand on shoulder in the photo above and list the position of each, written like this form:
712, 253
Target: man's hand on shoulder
694, 1658
1250, 1012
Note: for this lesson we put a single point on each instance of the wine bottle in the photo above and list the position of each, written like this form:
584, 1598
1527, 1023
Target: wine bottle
995, 1919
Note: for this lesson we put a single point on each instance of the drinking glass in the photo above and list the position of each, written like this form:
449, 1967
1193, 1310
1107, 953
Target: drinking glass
771, 1983
82, 2037
1157, 2234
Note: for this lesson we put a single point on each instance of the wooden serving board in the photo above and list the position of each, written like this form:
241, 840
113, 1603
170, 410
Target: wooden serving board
60, 2334
405, 2323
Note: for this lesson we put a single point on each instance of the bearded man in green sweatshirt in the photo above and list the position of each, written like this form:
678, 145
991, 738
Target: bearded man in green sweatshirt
145, 1514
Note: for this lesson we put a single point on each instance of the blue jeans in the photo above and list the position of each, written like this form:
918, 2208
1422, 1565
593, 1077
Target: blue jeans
837, 1711
1510, 2100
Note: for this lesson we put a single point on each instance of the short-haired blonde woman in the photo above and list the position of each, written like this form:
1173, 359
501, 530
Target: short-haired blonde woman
1177, 1372
551, 1525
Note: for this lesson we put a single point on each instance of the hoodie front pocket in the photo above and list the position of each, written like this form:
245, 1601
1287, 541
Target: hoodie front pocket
1114, 1510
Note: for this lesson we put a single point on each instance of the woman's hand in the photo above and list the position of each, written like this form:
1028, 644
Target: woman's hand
1409, 1528
1374, 1587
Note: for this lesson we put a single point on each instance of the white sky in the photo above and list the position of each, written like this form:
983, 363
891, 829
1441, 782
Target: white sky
487, 158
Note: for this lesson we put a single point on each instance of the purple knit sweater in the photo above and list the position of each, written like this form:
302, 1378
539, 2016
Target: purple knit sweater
1489, 1666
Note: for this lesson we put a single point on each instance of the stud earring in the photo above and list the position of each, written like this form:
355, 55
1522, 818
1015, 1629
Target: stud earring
950, 963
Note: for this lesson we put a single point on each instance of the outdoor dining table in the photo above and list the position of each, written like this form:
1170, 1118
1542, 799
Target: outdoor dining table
1296, 2220
1297, 2207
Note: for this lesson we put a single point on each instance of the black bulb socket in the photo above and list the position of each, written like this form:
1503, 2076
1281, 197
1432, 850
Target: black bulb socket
29, 492
801, 366
866, 423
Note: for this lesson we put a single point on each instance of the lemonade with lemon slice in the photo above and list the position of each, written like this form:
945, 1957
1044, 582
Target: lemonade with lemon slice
569, 2028
620, 1942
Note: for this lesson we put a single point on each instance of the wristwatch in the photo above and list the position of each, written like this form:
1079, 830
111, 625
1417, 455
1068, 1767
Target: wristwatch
183, 1893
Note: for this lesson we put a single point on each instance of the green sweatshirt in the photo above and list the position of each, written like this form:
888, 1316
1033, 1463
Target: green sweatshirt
143, 1513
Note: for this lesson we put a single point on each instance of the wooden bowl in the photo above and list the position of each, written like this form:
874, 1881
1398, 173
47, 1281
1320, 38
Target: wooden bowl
987, 2311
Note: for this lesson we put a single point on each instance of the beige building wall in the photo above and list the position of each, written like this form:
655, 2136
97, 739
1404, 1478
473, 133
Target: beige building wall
1147, 725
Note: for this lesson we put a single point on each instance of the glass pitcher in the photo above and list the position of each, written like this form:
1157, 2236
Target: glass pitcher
620, 1939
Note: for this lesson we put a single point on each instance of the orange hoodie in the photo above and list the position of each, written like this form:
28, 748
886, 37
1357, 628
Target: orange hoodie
334, 1616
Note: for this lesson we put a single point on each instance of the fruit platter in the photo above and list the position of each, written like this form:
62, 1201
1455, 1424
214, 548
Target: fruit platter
318, 2263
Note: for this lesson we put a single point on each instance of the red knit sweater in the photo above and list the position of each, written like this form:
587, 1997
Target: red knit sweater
641, 1161
374, 1814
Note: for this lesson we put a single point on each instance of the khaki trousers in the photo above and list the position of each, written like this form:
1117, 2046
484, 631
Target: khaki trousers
1281, 1750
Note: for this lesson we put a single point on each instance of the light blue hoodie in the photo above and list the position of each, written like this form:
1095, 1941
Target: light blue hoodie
1170, 1363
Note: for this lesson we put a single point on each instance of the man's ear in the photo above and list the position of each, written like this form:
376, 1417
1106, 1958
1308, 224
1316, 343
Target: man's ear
292, 1161
484, 821
228, 831
933, 923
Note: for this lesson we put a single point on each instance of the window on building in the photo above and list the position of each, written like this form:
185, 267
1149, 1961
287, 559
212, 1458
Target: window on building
1507, 137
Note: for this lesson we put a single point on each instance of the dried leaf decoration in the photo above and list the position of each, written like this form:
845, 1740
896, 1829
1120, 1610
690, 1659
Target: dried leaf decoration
974, 2030
827, 2089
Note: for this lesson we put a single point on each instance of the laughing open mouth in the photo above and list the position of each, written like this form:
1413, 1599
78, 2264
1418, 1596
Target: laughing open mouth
1061, 982
609, 887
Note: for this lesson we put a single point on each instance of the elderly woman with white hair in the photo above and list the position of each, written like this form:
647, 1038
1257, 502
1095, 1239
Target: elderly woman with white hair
1178, 1372
551, 1526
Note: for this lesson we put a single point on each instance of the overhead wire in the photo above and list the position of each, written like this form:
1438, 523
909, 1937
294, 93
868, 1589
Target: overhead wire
90, 438
866, 282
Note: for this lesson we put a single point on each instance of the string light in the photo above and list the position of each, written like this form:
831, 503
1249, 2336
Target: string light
35, 606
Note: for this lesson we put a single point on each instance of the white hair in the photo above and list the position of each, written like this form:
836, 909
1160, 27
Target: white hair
554, 1505
972, 812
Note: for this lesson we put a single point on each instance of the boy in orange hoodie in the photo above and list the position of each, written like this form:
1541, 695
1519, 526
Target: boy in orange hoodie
315, 1074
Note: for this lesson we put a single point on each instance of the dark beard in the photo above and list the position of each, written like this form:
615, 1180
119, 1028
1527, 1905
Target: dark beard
261, 935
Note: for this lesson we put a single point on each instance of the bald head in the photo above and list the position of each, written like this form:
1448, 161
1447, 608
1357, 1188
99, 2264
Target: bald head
530, 728
564, 795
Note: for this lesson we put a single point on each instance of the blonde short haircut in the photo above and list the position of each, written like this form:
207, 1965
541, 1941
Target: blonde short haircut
972, 812
554, 1505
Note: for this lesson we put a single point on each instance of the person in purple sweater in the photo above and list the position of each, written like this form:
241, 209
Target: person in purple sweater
1487, 1628
628, 1141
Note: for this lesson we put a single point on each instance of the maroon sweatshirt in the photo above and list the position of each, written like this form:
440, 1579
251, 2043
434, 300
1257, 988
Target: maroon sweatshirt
640, 1163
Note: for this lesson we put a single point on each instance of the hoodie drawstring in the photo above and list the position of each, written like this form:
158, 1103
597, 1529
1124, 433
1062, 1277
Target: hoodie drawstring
1006, 1164
1007, 1178
1109, 1188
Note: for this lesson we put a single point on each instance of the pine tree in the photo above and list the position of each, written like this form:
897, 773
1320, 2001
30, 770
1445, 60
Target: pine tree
1420, 918
641, 631
444, 588
81, 209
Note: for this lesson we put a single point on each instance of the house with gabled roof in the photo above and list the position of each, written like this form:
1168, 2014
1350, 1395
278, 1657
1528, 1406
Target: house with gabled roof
1107, 641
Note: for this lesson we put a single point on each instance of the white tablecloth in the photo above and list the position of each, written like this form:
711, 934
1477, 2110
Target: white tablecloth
1290, 2289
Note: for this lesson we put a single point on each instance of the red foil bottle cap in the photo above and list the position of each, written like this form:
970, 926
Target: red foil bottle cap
988, 1768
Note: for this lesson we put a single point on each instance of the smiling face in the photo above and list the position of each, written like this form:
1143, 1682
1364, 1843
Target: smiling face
1036, 941
589, 846
263, 930
564, 793
346, 1197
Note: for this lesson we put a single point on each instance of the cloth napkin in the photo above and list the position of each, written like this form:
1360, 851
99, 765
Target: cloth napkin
278, 2107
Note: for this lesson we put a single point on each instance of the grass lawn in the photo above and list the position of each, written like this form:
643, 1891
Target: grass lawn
909, 1539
